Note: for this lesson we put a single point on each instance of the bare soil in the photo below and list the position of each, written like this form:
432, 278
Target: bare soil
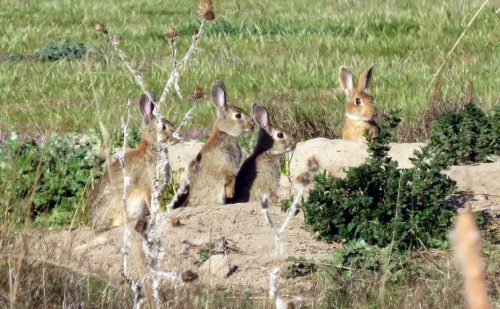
238, 233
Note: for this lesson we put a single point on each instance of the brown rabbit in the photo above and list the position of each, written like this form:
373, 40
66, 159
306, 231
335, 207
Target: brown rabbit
140, 166
213, 171
260, 173
361, 112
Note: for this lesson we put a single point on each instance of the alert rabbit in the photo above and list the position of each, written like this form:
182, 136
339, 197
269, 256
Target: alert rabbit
260, 173
361, 112
212, 172
140, 166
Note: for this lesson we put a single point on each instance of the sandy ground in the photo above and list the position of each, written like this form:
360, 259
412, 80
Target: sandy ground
239, 232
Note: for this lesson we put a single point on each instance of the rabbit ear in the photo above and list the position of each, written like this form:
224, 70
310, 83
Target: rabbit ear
261, 116
219, 95
146, 107
346, 81
365, 79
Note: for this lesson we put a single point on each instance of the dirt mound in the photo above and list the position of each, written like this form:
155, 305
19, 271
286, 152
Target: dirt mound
238, 236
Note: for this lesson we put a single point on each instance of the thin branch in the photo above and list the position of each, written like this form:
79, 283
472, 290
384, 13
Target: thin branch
115, 42
173, 45
292, 209
304, 179
186, 117
126, 183
152, 244
180, 65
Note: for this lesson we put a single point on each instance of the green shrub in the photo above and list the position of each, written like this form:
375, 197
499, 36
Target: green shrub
467, 136
46, 181
381, 204
299, 267
59, 50
360, 255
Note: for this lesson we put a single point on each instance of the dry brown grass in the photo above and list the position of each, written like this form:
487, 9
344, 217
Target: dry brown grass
420, 130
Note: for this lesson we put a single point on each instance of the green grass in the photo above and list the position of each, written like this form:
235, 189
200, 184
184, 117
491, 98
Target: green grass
285, 54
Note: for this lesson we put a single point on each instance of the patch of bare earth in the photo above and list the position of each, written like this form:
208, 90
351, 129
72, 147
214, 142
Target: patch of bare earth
238, 235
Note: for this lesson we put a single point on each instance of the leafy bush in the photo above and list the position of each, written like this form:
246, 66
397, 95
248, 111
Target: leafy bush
45, 181
299, 267
467, 136
381, 204
58, 50
359, 255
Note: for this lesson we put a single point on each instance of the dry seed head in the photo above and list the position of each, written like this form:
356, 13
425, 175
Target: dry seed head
170, 34
313, 164
304, 178
189, 276
197, 92
101, 28
175, 222
264, 201
117, 39
207, 10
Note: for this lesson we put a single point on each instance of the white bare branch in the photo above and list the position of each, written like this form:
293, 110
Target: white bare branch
126, 183
180, 65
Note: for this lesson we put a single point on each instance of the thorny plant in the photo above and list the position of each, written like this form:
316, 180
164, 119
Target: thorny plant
304, 179
152, 247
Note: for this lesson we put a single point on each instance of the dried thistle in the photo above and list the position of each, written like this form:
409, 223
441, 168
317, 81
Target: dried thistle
117, 39
101, 28
207, 10
313, 164
304, 178
175, 222
170, 34
189, 276
197, 92
264, 201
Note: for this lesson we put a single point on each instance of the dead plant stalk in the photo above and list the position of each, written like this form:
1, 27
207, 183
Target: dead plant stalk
152, 247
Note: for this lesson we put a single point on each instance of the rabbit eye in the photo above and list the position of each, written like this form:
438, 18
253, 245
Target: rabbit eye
238, 116
358, 101
280, 135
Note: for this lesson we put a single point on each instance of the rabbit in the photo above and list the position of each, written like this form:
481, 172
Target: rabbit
361, 112
140, 166
260, 172
212, 173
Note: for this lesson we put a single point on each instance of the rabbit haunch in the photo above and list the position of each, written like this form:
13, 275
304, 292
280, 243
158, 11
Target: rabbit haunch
260, 173
212, 173
360, 111
106, 208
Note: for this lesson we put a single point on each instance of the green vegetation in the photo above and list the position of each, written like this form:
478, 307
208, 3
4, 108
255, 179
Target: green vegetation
299, 267
59, 77
467, 136
285, 55
381, 204
46, 181
203, 255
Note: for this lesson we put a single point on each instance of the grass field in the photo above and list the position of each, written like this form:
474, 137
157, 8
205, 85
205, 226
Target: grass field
284, 54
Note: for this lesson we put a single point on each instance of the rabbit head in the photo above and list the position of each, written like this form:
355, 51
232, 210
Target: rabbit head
360, 105
230, 119
150, 125
271, 139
